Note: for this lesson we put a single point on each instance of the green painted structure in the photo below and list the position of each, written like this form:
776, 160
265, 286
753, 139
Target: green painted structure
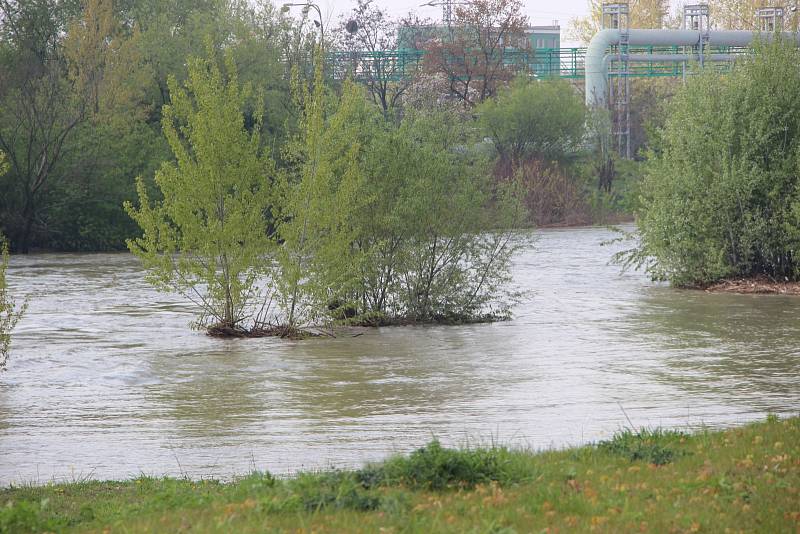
544, 37
395, 65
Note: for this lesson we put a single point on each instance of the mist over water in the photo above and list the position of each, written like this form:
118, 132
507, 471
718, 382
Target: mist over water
107, 380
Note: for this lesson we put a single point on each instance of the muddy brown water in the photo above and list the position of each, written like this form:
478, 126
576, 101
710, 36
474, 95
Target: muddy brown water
107, 381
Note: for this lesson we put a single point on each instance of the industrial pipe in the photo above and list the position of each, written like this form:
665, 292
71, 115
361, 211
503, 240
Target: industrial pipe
666, 58
597, 61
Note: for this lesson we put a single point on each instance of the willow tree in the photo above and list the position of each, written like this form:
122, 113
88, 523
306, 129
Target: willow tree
207, 238
319, 194
10, 312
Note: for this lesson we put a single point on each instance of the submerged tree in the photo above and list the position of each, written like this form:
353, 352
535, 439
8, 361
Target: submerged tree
208, 237
385, 222
314, 220
434, 235
10, 313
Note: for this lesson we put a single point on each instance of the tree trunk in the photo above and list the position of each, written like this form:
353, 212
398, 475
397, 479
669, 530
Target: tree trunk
606, 175
28, 214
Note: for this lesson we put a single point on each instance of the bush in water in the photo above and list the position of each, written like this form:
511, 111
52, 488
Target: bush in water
721, 197
387, 222
207, 238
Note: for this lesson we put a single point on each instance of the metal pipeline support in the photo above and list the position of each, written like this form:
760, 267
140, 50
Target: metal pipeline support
597, 59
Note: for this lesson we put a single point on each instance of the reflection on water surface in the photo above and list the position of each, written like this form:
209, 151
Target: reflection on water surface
108, 381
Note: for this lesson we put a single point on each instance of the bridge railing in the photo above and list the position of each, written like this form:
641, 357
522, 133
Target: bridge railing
396, 65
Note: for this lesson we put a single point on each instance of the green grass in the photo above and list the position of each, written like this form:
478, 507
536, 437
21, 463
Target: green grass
657, 446
741, 480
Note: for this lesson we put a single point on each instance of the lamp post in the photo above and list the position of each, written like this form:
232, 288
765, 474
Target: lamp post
306, 8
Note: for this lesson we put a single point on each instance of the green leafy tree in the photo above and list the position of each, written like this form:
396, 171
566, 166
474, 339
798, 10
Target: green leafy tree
63, 69
433, 236
82, 86
539, 119
10, 313
39, 109
208, 238
722, 191
387, 222
320, 191
84, 202
264, 52
458, 246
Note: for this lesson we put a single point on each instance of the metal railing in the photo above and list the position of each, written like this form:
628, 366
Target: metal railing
396, 65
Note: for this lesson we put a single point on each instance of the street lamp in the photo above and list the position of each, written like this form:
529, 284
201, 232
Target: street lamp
306, 8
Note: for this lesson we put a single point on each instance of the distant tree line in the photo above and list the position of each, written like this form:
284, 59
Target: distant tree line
82, 89
84, 85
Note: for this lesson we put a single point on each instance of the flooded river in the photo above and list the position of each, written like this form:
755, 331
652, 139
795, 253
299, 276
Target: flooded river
107, 380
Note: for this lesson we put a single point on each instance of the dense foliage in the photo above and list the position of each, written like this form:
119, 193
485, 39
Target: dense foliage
543, 120
10, 313
315, 198
722, 194
386, 221
436, 231
370, 220
82, 90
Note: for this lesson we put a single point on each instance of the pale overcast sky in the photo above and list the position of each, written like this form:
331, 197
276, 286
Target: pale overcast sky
539, 11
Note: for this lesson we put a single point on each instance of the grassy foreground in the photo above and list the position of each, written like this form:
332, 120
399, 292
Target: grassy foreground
741, 480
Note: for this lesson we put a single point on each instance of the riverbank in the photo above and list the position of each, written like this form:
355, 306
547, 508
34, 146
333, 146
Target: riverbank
761, 285
744, 479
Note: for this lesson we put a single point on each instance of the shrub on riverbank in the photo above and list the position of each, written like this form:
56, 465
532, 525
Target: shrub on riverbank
721, 197
744, 479
10, 314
